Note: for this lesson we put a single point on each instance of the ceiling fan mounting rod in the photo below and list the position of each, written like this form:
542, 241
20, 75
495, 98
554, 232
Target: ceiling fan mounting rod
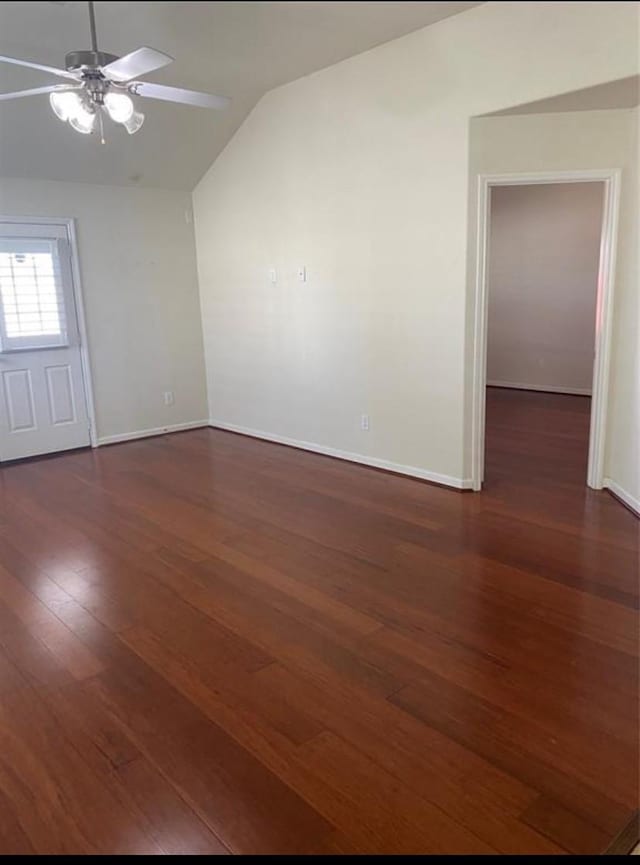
89, 61
92, 25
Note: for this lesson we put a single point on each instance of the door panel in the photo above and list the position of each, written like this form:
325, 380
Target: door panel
19, 399
60, 393
42, 397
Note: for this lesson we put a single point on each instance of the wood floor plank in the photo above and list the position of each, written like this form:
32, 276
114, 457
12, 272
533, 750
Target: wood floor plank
519, 748
241, 607
378, 809
48, 628
271, 743
59, 803
28, 659
144, 792
478, 795
566, 828
567, 700
237, 687
518, 639
171, 822
14, 838
212, 644
241, 801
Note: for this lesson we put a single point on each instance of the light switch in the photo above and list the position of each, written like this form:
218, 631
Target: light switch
273, 276
302, 274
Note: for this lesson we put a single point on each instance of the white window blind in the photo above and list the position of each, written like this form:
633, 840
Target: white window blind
32, 303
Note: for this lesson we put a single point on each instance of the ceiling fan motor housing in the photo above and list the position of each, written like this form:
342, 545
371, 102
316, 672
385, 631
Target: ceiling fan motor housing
88, 60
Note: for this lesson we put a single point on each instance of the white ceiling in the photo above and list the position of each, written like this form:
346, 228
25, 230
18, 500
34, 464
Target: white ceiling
622, 93
237, 49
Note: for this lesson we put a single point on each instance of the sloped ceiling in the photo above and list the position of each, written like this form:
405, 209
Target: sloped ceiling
622, 93
238, 49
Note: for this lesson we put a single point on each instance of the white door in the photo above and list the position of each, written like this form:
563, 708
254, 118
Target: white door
42, 397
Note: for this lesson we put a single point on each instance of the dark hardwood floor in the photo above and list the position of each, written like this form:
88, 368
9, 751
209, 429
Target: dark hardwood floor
214, 644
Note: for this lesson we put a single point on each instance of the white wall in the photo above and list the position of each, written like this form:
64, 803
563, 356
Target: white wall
139, 279
584, 139
360, 172
543, 278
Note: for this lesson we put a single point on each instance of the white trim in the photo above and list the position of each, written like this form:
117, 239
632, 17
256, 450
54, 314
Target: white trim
544, 388
147, 433
69, 225
604, 311
82, 329
411, 471
630, 501
604, 322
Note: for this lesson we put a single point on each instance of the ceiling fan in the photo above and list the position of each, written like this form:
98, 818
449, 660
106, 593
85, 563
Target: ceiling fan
102, 83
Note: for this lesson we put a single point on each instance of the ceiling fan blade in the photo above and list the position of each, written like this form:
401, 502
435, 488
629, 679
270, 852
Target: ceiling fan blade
138, 63
62, 73
4, 97
177, 94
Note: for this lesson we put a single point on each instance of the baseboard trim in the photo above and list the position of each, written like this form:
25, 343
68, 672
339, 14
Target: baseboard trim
544, 388
372, 462
620, 493
147, 433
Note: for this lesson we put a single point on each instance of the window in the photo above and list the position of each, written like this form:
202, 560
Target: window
32, 305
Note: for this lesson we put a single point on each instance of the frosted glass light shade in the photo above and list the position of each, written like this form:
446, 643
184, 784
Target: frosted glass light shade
83, 121
134, 122
65, 103
119, 107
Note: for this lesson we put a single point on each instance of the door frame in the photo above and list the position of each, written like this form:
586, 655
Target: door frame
604, 310
69, 224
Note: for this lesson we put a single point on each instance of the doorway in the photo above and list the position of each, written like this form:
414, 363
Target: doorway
532, 369
44, 383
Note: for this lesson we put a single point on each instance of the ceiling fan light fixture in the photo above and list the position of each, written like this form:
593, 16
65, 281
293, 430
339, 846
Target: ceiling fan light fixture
65, 103
119, 107
83, 120
100, 83
134, 122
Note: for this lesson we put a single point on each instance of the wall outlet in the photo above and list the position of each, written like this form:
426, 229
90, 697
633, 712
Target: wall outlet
273, 276
364, 422
168, 397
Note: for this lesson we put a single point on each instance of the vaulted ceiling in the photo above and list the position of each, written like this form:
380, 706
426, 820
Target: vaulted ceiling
623, 93
238, 49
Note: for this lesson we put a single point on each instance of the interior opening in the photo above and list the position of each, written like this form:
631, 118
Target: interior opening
542, 281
